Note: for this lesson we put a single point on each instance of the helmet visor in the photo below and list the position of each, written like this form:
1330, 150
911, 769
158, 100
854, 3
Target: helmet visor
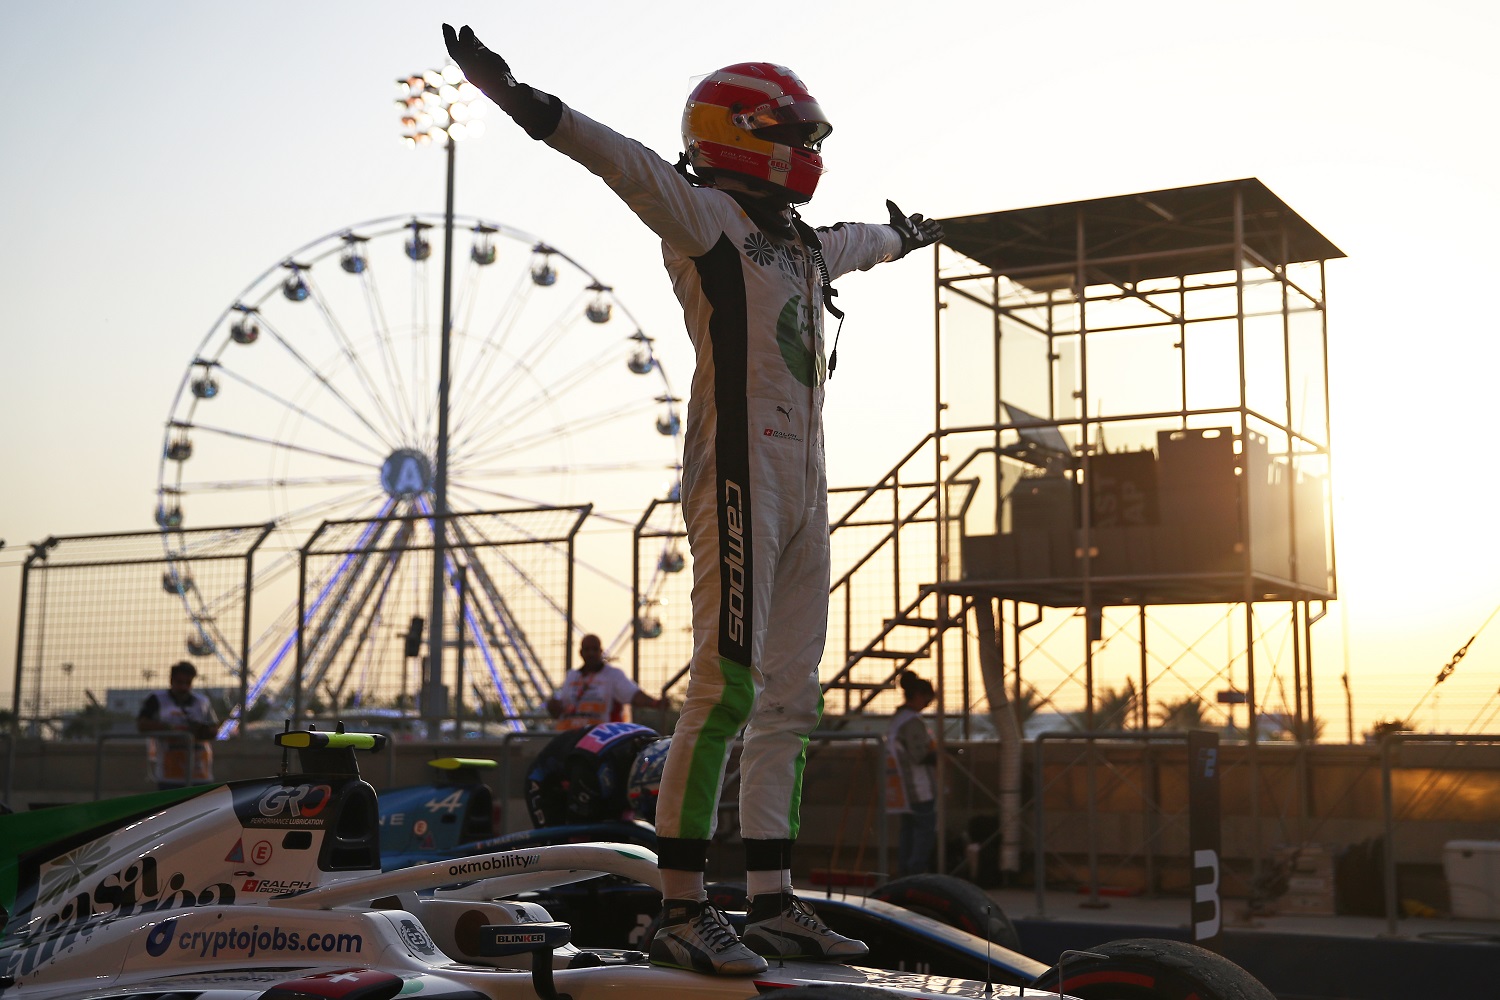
788, 121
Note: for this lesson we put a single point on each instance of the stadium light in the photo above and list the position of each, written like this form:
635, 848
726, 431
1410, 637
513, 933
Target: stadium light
438, 106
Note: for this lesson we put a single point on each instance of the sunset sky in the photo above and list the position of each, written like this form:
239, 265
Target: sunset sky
160, 155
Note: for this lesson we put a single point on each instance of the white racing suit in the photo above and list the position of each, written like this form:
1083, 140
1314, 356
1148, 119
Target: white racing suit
754, 490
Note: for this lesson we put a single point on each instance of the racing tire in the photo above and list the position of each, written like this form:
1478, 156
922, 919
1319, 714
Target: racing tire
1152, 969
954, 902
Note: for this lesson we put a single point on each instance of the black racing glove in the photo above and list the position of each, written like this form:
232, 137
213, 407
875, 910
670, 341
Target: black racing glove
915, 231
536, 112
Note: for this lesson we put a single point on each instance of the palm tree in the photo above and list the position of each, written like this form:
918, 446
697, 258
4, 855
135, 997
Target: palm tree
1030, 702
1384, 726
1114, 708
1282, 727
1183, 714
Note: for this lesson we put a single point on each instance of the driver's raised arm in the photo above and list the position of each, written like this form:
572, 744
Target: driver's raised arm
663, 199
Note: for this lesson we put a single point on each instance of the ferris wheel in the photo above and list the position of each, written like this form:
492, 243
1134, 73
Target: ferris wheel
313, 400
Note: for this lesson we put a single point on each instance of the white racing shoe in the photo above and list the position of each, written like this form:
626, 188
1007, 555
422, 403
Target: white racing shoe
697, 936
781, 925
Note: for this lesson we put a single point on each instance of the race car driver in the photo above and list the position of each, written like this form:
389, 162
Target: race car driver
753, 280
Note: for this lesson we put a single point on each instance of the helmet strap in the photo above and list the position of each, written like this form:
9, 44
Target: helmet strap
682, 167
815, 248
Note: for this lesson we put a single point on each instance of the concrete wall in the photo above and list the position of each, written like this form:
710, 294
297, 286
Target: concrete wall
1328, 795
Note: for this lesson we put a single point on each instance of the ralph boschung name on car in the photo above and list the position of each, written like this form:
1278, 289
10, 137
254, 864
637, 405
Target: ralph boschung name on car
496, 862
209, 944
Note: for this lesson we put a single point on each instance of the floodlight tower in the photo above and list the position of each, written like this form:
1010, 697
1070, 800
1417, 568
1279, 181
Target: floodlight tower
439, 106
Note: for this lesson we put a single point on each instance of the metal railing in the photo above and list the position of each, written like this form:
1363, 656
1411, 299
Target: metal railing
1387, 795
1039, 797
882, 838
506, 757
177, 737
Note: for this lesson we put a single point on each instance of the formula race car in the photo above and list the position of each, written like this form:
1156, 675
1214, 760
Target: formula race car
453, 816
273, 889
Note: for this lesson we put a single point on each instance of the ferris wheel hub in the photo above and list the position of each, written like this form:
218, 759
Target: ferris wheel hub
406, 474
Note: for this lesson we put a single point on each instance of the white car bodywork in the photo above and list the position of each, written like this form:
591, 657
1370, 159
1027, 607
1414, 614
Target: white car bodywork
272, 889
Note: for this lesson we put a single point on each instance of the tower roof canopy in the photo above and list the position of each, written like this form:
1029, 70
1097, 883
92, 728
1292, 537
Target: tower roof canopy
1153, 234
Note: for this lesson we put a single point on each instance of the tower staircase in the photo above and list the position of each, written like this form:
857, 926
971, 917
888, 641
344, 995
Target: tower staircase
886, 614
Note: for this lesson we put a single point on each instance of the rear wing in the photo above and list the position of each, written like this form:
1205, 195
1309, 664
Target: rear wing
460, 771
326, 753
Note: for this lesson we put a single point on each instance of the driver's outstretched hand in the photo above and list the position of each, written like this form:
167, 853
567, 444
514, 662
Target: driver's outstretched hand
484, 69
916, 232
536, 112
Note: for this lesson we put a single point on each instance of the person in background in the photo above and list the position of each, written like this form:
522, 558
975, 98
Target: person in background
179, 709
596, 691
913, 754
753, 280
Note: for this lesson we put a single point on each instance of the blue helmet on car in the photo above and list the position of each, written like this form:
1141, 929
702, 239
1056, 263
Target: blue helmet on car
645, 778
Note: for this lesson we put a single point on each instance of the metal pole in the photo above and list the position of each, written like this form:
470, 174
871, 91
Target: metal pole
245, 629
1080, 294
1333, 550
15, 707
940, 774
583, 515
883, 826
1152, 808
1039, 835
1308, 621
245, 642
940, 516
635, 594
301, 626
15, 704
1143, 703
1247, 570
461, 574
1389, 866
1253, 738
1091, 773
434, 697
567, 649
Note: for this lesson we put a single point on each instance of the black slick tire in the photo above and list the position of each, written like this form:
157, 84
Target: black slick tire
955, 902
1152, 969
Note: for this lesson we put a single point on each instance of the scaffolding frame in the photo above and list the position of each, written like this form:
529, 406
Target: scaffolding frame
77, 631
1040, 313
517, 646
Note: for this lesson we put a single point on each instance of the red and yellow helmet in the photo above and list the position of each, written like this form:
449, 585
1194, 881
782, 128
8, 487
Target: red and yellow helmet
758, 121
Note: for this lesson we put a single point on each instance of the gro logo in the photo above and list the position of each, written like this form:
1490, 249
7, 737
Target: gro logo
304, 800
160, 938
